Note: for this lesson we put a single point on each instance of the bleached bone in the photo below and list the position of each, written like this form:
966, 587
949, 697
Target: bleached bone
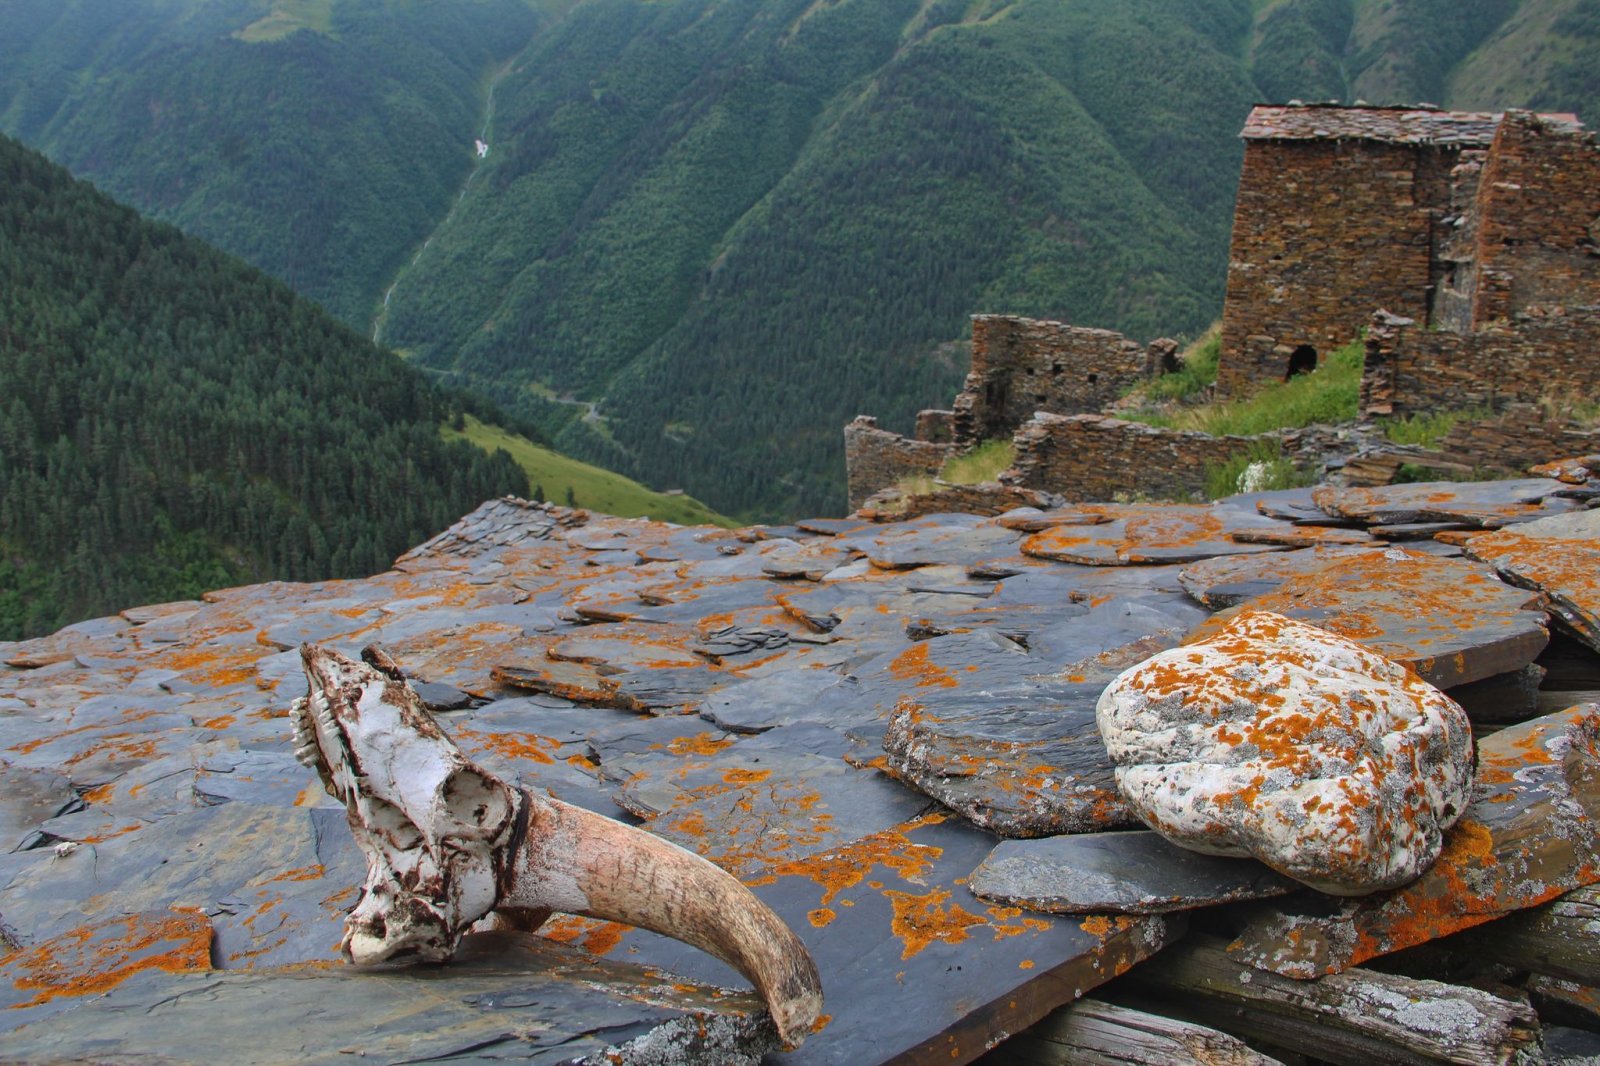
447, 842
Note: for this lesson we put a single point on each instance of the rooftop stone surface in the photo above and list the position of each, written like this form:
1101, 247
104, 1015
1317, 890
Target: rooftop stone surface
846, 714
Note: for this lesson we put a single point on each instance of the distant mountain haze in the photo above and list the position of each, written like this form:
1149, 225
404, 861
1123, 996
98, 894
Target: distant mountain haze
699, 235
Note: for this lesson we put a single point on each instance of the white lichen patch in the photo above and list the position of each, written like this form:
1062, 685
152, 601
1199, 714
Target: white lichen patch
1276, 739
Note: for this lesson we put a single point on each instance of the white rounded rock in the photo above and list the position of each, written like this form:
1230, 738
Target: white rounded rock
1328, 762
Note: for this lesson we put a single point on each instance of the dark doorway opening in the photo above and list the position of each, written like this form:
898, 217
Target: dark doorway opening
1303, 360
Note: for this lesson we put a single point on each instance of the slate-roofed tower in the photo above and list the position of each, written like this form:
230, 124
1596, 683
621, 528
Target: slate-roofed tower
1339, 213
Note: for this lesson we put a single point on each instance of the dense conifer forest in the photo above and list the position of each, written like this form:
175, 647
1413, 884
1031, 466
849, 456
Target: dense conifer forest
173, 421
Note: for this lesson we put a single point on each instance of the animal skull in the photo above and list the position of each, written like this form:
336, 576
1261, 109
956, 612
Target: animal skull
447, 842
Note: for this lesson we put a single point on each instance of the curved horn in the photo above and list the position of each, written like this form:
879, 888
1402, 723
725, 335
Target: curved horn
446, 842
583, 863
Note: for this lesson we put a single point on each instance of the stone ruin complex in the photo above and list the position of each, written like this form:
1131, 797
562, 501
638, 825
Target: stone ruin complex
1466, 245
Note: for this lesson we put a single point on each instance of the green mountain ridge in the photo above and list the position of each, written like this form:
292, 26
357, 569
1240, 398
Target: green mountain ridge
709, 232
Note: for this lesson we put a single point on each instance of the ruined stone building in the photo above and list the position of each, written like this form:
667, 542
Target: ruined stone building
1019, 366
1458, 222
1466, 244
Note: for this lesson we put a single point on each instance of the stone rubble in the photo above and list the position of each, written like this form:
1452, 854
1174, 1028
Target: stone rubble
848, 714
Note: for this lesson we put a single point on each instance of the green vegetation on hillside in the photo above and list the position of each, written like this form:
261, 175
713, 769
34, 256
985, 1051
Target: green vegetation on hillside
560, 479
172, 420
323, 157
727, 226
736, 225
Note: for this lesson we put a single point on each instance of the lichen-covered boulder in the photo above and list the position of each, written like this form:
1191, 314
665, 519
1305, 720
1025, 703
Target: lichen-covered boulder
1273, 738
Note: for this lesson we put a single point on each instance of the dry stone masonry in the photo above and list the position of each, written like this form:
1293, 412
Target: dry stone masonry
1467, 244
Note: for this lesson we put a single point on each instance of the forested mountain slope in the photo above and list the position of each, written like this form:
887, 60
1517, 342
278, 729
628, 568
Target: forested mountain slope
736, 224
320, 140
1465, 54
172, 420
708, 232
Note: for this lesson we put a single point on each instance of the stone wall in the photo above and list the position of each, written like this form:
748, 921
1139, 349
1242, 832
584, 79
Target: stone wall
1094, 457
1538, 209
1519, 438
1410, 370
1023, 365
1324, 233
875, 458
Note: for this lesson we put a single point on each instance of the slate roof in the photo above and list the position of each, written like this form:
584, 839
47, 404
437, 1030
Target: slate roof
1390, 125
848, 715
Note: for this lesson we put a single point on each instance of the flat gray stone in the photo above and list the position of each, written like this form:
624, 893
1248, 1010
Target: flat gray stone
1477, 504
1133, 872
749, 807
1230, 580
29, 798
504, 998
1452, 621
1014, 752
1148, 534
784, 698
914, 969
1558, 556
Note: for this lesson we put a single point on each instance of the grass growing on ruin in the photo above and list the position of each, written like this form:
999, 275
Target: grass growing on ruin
1331, 393
565, 480
1271, 471
983, 463
1428, 430
1198, 371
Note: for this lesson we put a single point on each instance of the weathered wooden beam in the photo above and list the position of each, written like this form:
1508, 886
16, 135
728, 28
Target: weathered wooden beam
1560, 939
1092, 1032
1358, 1017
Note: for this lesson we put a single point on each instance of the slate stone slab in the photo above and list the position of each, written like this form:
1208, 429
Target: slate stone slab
962, 544
47, 978
1145, 534
1483, 504
785, 698
1016, 754
1451, 621
1559, 556
30, 797
277, 881
504, 998
915, 970
1135, 872
1230, 580
1532, 833
748, 807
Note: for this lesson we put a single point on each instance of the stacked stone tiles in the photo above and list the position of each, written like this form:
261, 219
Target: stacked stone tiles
1093, 457
1410, 369
1023, 365
876, 458
1538, 218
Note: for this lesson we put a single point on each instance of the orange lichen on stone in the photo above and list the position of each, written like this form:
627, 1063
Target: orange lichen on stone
221, 721
704, 744
913, 665
530, 747
595, 937
920, 920
94, 958
822, 916
841, 869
